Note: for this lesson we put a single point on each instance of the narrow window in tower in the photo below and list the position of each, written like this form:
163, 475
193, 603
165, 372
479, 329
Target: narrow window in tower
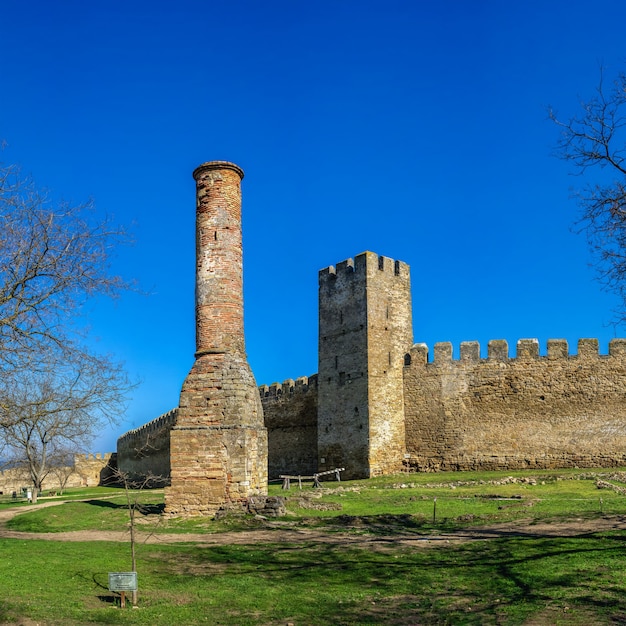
387, 313
215, 235
341, 317
381, 262
396, 268
389, 358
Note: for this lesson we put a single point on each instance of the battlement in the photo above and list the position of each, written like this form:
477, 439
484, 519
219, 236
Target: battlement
289, 387
359, 264
167, 420
97, 456
498, 350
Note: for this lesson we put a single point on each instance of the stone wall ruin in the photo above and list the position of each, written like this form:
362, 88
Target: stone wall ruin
379, 404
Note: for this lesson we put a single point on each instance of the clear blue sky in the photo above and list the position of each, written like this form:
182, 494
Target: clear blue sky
413, 129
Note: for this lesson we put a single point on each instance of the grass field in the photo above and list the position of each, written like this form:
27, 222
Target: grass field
516, 579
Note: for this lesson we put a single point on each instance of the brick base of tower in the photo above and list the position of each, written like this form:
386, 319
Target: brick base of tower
218, 448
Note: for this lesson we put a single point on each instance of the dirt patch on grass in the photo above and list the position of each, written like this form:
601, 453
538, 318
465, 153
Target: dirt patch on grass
377, 532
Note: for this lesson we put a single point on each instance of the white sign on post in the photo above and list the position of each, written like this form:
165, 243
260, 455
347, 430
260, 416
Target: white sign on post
122, 581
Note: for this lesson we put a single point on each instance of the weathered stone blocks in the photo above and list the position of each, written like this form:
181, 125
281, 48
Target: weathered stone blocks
218, 447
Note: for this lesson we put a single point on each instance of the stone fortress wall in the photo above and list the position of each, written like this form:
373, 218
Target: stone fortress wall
381, 403
498, 412
290, 412
89, 470
378, 404
148, 447
556, 410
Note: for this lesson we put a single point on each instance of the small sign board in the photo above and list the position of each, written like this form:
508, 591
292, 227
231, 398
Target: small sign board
122, 581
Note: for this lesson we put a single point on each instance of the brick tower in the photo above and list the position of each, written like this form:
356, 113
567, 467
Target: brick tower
365, 329
219, 444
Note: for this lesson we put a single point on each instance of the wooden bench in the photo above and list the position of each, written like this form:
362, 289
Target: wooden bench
287, 478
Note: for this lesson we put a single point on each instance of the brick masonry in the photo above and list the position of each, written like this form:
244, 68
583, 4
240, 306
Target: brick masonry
218, 445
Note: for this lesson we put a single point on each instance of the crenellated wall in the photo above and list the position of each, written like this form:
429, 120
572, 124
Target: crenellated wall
145, 451
89, 470
378, 402
94, 469
557, 410
290, 412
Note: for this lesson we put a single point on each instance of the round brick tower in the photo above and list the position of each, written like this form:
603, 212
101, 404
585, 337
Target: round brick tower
219, 266
218, 448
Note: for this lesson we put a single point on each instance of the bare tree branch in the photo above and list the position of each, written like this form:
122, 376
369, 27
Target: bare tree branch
55, 392
52, 259
594, 142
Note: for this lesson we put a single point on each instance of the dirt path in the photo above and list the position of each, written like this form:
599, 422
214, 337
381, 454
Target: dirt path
278, 533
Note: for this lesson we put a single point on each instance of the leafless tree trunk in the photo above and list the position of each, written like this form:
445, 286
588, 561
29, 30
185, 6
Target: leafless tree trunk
54, 389
62, 465
133, 488
59, 406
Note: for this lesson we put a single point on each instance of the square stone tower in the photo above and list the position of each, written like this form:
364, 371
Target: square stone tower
219, 443
365, 330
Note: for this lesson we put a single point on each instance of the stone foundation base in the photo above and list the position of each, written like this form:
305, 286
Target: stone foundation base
213, 467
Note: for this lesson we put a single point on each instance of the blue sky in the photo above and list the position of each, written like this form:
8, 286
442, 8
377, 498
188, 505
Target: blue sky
413, 129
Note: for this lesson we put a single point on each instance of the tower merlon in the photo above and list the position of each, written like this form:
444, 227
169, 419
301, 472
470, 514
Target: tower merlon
617, 347
558, 349
360, 264
470, 351
498, 350
588, 347
527, 348
443, 352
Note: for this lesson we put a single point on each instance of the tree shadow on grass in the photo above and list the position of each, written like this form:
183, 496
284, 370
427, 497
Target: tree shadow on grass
502, 581
387, 524
144, 509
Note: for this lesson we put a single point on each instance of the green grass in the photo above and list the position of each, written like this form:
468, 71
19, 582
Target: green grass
507, 581
470, 498
511, 580
462, 499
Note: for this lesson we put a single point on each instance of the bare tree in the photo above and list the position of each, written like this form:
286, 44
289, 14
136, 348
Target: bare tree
134, 486
62, 464
594, 142
48, 410
54, 389
53, 257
